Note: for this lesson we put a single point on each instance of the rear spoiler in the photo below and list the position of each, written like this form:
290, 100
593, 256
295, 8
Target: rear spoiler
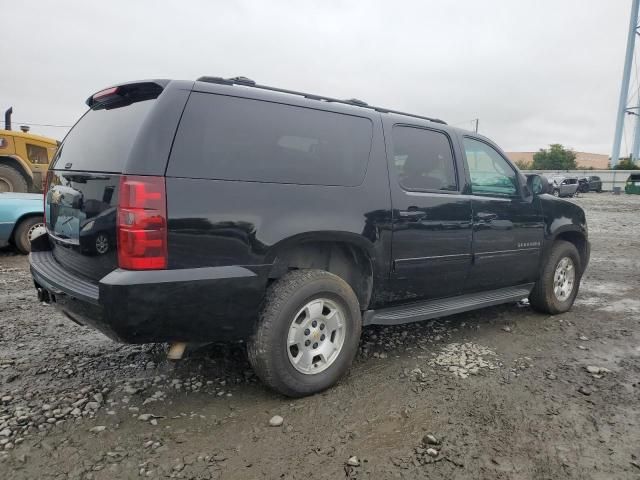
126, 94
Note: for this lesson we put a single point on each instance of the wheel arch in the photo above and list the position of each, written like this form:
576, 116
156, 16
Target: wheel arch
344, 254
575, 236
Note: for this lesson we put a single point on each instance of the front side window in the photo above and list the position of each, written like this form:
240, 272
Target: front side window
423, 159
490, 173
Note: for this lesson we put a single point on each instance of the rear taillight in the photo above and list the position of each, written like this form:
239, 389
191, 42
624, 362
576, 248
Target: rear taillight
142, 223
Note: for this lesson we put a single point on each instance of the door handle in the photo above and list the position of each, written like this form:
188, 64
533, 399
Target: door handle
412, 213
487, 216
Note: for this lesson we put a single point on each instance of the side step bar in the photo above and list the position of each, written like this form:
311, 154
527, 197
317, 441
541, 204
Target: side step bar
415, 312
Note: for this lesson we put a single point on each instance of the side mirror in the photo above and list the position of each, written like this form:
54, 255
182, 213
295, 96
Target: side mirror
537, 184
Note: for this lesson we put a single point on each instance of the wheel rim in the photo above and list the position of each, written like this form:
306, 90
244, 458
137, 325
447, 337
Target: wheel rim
564, 279
316, 336
5, 185
33, 229
102, 244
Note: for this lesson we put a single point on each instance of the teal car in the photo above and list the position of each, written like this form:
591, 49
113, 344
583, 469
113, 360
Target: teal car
21, 215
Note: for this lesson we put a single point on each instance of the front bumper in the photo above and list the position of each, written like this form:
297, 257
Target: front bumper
188, 305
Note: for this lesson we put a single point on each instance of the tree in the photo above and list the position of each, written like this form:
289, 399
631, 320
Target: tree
523, 164
556, 157
626, 164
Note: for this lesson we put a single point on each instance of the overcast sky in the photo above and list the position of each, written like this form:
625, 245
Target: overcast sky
534, 71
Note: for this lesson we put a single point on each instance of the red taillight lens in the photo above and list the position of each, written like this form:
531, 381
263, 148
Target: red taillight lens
142, 223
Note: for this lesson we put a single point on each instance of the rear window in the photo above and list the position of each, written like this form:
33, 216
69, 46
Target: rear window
102, 140
229, 138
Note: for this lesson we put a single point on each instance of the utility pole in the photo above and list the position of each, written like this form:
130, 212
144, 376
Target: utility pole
635, 152
477, 121
624, 89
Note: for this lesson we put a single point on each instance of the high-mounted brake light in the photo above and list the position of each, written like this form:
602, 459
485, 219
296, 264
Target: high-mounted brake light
142, 223
102, 94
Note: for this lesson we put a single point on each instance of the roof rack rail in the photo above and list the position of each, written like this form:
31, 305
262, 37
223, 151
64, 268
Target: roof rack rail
247, 82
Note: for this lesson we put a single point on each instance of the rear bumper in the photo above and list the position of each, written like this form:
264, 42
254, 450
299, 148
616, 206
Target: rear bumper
190, 305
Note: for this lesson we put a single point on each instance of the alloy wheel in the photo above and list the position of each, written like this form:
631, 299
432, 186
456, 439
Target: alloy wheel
316, 336
564, 279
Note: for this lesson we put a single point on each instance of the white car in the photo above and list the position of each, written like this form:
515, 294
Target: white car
564, 186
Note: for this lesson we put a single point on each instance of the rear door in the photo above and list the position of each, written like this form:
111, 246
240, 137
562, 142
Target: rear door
431, 217
507, 229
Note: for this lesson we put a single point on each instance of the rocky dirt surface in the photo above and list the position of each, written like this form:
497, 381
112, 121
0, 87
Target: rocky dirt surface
502, 393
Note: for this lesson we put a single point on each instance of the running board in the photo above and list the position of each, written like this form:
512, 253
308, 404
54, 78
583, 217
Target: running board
415, 312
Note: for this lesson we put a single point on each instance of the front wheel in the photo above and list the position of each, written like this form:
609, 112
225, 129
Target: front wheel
556, 289
556, 192
308, 333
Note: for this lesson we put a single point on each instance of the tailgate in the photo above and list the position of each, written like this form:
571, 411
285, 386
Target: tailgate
81, 213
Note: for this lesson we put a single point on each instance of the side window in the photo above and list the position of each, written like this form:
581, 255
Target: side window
228, 138
490, 173
37, 154
423, 159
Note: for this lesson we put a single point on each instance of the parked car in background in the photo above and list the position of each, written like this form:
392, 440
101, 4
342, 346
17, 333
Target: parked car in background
563, 186
583, 184
20, 216
633, 184
289, 220
595, 183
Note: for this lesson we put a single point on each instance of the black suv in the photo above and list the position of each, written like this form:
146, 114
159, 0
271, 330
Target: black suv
590, 184
181, 211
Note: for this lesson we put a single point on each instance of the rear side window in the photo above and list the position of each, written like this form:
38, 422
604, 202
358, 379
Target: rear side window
102, 140
423, 159
229, 138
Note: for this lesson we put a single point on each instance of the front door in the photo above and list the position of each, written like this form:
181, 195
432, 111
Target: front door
507, 228
431, 217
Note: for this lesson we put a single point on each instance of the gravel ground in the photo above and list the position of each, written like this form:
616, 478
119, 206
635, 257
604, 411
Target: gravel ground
498, 393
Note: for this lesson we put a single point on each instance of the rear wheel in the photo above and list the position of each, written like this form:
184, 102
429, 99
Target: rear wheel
557, 287
308, 333
11, 180
24, 233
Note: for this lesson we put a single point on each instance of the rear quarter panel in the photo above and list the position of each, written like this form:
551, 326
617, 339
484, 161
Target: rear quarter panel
224, 222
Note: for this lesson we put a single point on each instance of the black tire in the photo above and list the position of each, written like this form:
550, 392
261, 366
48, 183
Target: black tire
12, 180
542, 298
556, 192
267, 348
21, 236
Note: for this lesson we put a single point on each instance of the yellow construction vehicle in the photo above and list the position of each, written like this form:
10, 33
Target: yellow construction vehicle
24, 158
